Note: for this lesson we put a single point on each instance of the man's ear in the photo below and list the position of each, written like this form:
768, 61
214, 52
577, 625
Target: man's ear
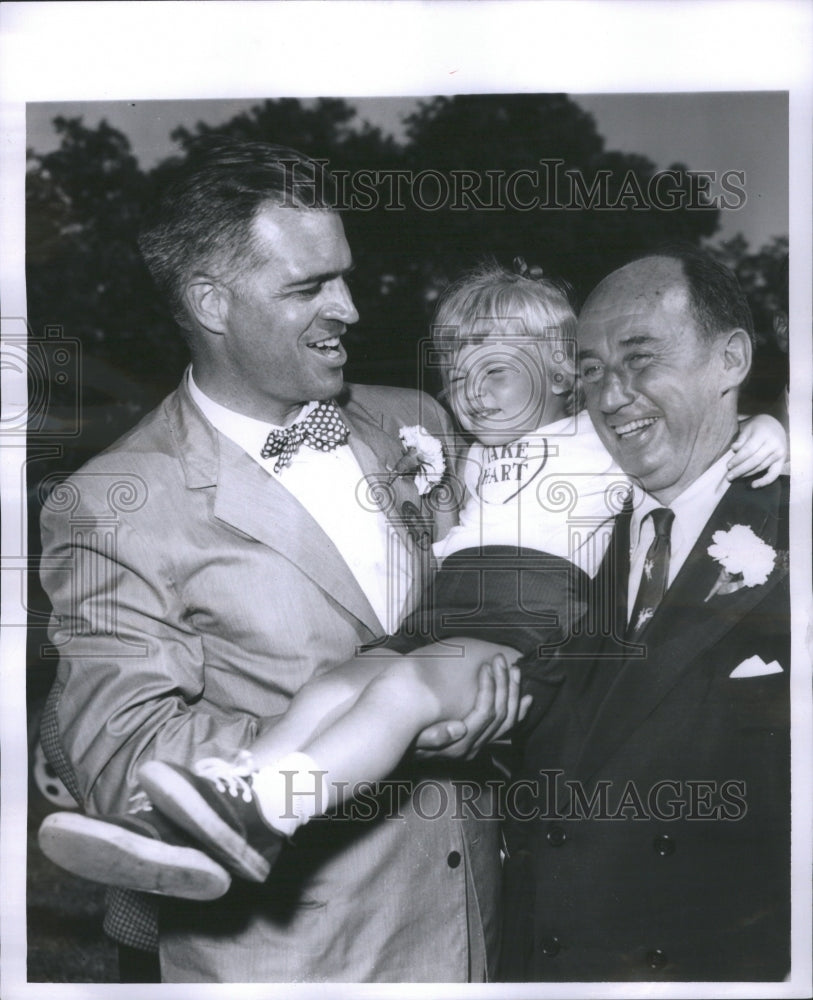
736, 355
208, 301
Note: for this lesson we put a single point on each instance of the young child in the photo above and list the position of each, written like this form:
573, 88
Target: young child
512, 582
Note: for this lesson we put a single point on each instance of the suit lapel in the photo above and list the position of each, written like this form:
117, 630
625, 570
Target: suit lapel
253, 502
596, 656
378, 452
256, 504
684, 625
689, 617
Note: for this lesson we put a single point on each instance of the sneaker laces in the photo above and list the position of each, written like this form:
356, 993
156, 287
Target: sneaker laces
235, 779
139, 802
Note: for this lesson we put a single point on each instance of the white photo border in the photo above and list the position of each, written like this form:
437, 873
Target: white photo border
144, 50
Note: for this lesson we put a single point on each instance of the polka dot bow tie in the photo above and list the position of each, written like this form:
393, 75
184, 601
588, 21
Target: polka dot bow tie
322, 429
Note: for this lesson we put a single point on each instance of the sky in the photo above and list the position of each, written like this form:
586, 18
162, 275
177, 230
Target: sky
744, 131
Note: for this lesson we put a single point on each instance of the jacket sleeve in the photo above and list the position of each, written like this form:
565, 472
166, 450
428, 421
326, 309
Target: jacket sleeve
131, 668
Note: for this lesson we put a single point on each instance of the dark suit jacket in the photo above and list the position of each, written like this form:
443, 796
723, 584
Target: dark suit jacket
679, 868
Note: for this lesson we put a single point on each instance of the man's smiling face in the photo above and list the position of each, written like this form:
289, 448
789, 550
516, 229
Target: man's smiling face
285, 319
653, 384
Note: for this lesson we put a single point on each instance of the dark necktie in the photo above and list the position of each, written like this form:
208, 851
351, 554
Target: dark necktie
655, 574
322, 429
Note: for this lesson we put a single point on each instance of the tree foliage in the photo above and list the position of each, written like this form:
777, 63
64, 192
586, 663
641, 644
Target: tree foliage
86, 199
763, 275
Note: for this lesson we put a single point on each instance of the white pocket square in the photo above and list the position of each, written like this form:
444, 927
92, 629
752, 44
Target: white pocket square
755, 666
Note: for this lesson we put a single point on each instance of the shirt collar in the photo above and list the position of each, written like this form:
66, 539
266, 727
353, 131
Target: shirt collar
248, 433
695, 504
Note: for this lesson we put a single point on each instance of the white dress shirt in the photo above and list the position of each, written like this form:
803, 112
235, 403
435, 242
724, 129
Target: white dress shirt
328, 485
692, 509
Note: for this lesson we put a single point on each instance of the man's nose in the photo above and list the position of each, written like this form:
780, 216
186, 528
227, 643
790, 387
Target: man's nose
616, 392
340, 305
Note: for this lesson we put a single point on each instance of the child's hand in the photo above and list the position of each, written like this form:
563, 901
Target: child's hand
761, 446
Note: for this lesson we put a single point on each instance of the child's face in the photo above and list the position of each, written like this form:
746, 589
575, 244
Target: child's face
497, 389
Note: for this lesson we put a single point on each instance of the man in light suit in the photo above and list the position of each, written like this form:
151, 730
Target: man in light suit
200, 577
653, 842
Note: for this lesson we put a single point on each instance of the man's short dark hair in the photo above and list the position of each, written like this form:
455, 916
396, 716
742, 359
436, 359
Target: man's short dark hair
718, 302
202, 223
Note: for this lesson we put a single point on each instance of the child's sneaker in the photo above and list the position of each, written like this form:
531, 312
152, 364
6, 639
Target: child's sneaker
216, 804
140, 850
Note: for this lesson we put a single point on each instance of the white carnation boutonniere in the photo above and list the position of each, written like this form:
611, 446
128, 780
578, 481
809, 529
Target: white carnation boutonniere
422, 458
746, 560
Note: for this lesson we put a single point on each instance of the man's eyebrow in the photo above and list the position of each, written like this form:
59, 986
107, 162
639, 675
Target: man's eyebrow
585, 352
322, 277
637, 340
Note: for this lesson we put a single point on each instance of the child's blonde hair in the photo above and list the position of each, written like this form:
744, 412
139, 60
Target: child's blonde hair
538, 309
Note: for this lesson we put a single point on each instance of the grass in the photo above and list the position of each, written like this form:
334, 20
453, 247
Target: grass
65, 939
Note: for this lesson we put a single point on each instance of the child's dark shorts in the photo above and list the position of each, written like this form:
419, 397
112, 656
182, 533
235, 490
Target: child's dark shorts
517, 597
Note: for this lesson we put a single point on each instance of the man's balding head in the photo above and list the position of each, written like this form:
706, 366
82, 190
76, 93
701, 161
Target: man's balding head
717, 300
662, 358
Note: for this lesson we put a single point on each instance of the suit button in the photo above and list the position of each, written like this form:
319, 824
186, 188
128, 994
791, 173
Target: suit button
550, 946
453, 860
656, 959
664, 845
556, 836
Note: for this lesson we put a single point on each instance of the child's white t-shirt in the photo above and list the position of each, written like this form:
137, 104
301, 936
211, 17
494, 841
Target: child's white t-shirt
549, 491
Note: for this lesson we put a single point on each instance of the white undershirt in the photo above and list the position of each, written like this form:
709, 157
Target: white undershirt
328, 485
692, 509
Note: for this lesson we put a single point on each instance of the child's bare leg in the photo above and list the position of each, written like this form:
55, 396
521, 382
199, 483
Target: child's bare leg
317, 705
404, 697
324, 700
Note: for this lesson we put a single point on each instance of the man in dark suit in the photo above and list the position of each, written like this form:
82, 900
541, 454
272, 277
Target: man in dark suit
239, 540
651, 838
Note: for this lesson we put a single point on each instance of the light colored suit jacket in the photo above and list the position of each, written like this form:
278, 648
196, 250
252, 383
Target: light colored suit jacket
193, 596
